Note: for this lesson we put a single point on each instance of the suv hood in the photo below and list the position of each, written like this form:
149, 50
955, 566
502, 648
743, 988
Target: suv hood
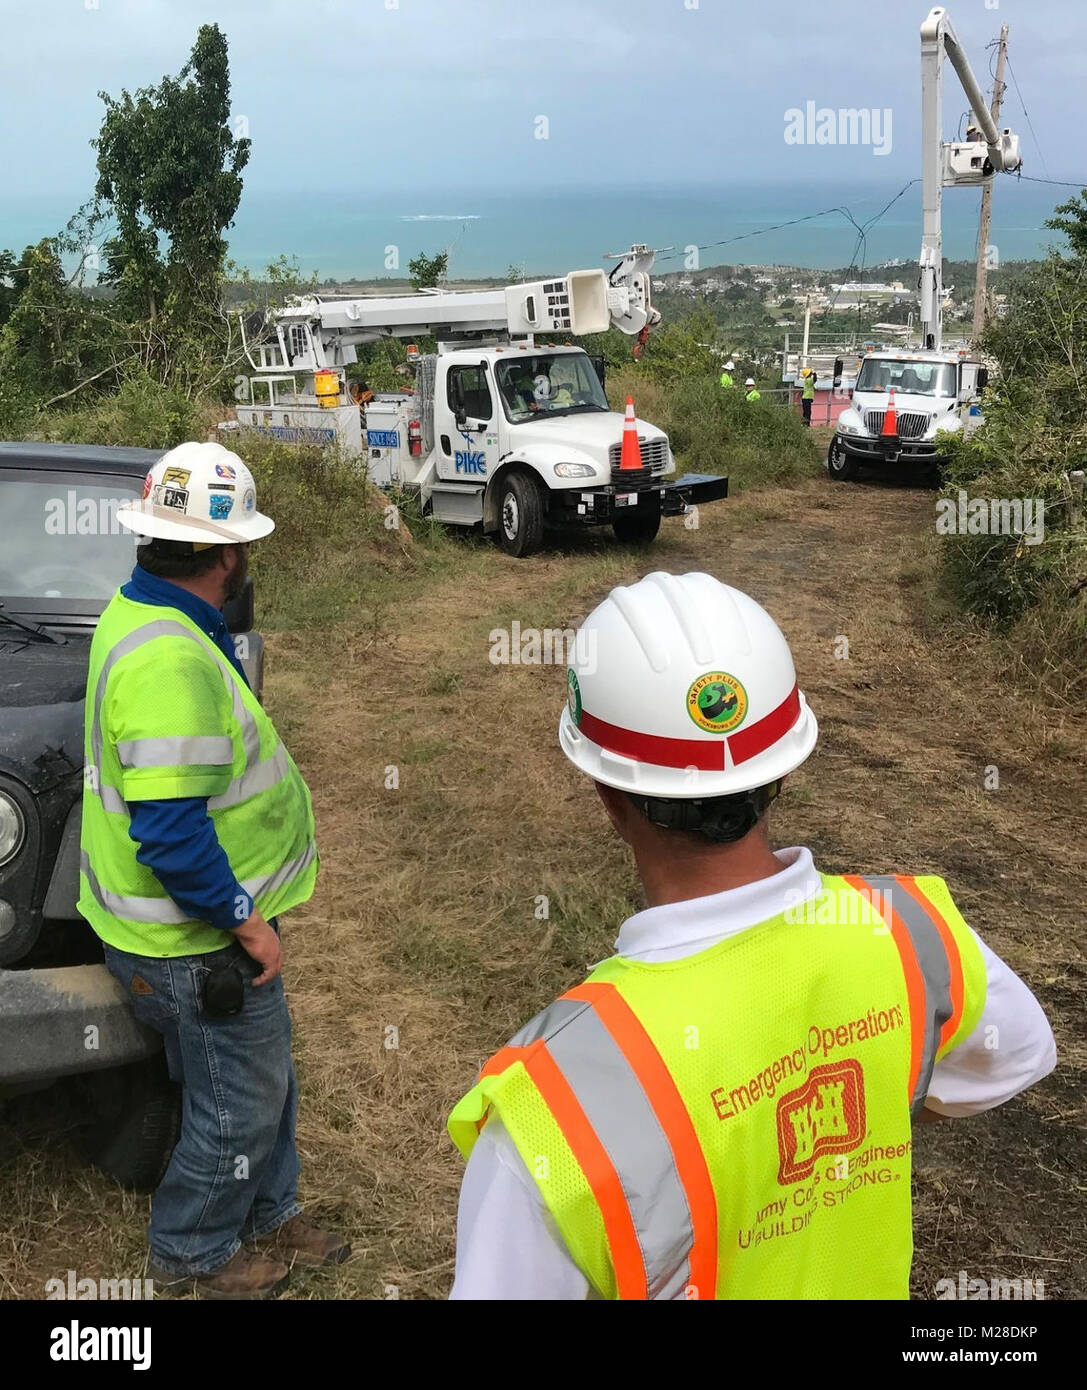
42, 689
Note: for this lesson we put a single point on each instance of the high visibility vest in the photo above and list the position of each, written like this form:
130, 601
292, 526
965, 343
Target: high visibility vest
737, 1123
753, 395
808, 391
168, 716
726, 379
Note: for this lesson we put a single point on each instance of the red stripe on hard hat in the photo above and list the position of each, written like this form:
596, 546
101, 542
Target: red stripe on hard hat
706, 754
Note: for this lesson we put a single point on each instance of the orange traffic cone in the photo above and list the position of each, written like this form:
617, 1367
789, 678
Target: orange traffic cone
631, 456
890, 417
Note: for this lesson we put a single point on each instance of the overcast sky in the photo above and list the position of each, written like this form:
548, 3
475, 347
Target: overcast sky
410, 94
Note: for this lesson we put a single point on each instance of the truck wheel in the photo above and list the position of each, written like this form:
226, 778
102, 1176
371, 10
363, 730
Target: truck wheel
520, 515
639, 528
839, 465
133, 1117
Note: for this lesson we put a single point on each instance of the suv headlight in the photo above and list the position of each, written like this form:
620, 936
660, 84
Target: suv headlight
12, 829
845, 428
574, 470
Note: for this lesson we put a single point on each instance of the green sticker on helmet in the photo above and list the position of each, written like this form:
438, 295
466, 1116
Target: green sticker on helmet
717, 702
573, 696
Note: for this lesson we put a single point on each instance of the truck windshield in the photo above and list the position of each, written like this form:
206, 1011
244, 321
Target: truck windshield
911, 378
60, 539
549, 384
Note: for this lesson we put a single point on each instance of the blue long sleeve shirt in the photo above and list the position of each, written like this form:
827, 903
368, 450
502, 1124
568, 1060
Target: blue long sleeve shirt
176, 839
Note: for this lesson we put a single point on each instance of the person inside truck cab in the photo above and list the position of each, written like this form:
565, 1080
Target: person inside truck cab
519, 391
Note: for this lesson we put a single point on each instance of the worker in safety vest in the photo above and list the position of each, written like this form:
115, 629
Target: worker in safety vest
752, 393
807, 394
197, 834
726, 375
724, 1109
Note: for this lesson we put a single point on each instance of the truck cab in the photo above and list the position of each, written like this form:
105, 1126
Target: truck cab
930, 393
516, 436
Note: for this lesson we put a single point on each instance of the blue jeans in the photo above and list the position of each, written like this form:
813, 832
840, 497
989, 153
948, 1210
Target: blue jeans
234, 1171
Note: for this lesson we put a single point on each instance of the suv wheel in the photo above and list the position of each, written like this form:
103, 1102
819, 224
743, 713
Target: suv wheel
133, 1117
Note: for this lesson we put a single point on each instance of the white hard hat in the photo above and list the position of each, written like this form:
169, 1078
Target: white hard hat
684, 687
201, 493
730, 365
750, 381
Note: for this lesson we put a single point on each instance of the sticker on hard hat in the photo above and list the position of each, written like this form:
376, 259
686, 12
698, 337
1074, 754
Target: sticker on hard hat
249, 501
219, 506
717, 702
176, 497
147, 484
224, 470
573, 695
178, 476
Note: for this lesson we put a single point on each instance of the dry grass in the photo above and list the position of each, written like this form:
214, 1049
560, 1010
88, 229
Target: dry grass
425, 917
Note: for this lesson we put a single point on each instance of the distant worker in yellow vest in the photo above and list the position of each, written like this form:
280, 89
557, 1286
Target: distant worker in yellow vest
753, 393
807, 394
724, 1109
726, 376
197, 834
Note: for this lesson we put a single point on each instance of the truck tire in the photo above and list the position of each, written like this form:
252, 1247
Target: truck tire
520, 515
840, 466
639, 528
133, 1117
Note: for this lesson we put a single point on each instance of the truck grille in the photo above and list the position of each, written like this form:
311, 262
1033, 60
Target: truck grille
911, 424
654, 454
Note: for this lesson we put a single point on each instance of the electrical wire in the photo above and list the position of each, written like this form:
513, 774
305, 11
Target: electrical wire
1026, 113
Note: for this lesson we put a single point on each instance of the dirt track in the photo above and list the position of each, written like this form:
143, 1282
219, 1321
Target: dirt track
422, 952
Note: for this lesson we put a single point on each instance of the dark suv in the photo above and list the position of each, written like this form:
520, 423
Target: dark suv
63, 554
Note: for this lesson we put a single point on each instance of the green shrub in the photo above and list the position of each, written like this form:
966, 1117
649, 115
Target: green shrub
143, 414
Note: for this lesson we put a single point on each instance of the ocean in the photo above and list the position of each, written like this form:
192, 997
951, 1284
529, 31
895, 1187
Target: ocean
342, 235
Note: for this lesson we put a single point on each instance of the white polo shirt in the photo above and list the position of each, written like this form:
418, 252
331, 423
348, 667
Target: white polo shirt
508, 1246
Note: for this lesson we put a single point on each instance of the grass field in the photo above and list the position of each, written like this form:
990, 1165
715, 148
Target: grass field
422, 950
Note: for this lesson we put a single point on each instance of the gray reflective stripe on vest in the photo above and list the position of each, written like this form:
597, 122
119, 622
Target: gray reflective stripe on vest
548, 1020
286, 873
935, 969
253, 780
617, 1108
165, 912
176, 752
162, 911
111, 798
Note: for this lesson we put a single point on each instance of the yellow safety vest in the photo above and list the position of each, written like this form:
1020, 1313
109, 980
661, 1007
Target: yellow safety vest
737, 1124
168, 716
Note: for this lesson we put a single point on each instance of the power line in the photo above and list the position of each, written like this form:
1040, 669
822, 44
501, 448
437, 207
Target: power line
1060, 183
1026, 113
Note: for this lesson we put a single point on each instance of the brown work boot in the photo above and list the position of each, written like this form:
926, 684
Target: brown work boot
245, 1275
299, 1242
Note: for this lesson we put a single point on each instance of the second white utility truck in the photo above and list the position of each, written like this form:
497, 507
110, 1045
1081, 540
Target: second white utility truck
903, 400
495, 430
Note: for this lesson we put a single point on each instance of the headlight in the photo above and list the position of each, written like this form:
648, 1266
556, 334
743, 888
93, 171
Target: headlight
12, 829
844, 428
574, 470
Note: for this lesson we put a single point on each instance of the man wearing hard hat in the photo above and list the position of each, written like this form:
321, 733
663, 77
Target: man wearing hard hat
726, 375
807, 395
752, 392
724, 1109
197, 834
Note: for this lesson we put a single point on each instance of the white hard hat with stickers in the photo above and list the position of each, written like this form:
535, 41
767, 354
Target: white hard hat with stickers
683, 687
201, 493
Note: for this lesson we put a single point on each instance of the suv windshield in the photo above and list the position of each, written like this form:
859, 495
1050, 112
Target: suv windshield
60, 538
551, 384
911, 378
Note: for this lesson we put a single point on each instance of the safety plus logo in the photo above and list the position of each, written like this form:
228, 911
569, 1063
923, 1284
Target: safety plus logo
717, 702
824, 1116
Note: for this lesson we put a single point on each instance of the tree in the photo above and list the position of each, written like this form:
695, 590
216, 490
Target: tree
428, 271
170, 167
1071, 219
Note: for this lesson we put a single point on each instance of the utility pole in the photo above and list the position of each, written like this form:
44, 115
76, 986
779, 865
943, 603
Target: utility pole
985, 222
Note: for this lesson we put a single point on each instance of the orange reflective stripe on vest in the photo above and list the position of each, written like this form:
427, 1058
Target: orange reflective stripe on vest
929, 957
687, 1155
957, 989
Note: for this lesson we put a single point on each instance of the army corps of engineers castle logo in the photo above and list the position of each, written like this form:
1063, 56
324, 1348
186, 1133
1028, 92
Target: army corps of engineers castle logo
824, 1116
